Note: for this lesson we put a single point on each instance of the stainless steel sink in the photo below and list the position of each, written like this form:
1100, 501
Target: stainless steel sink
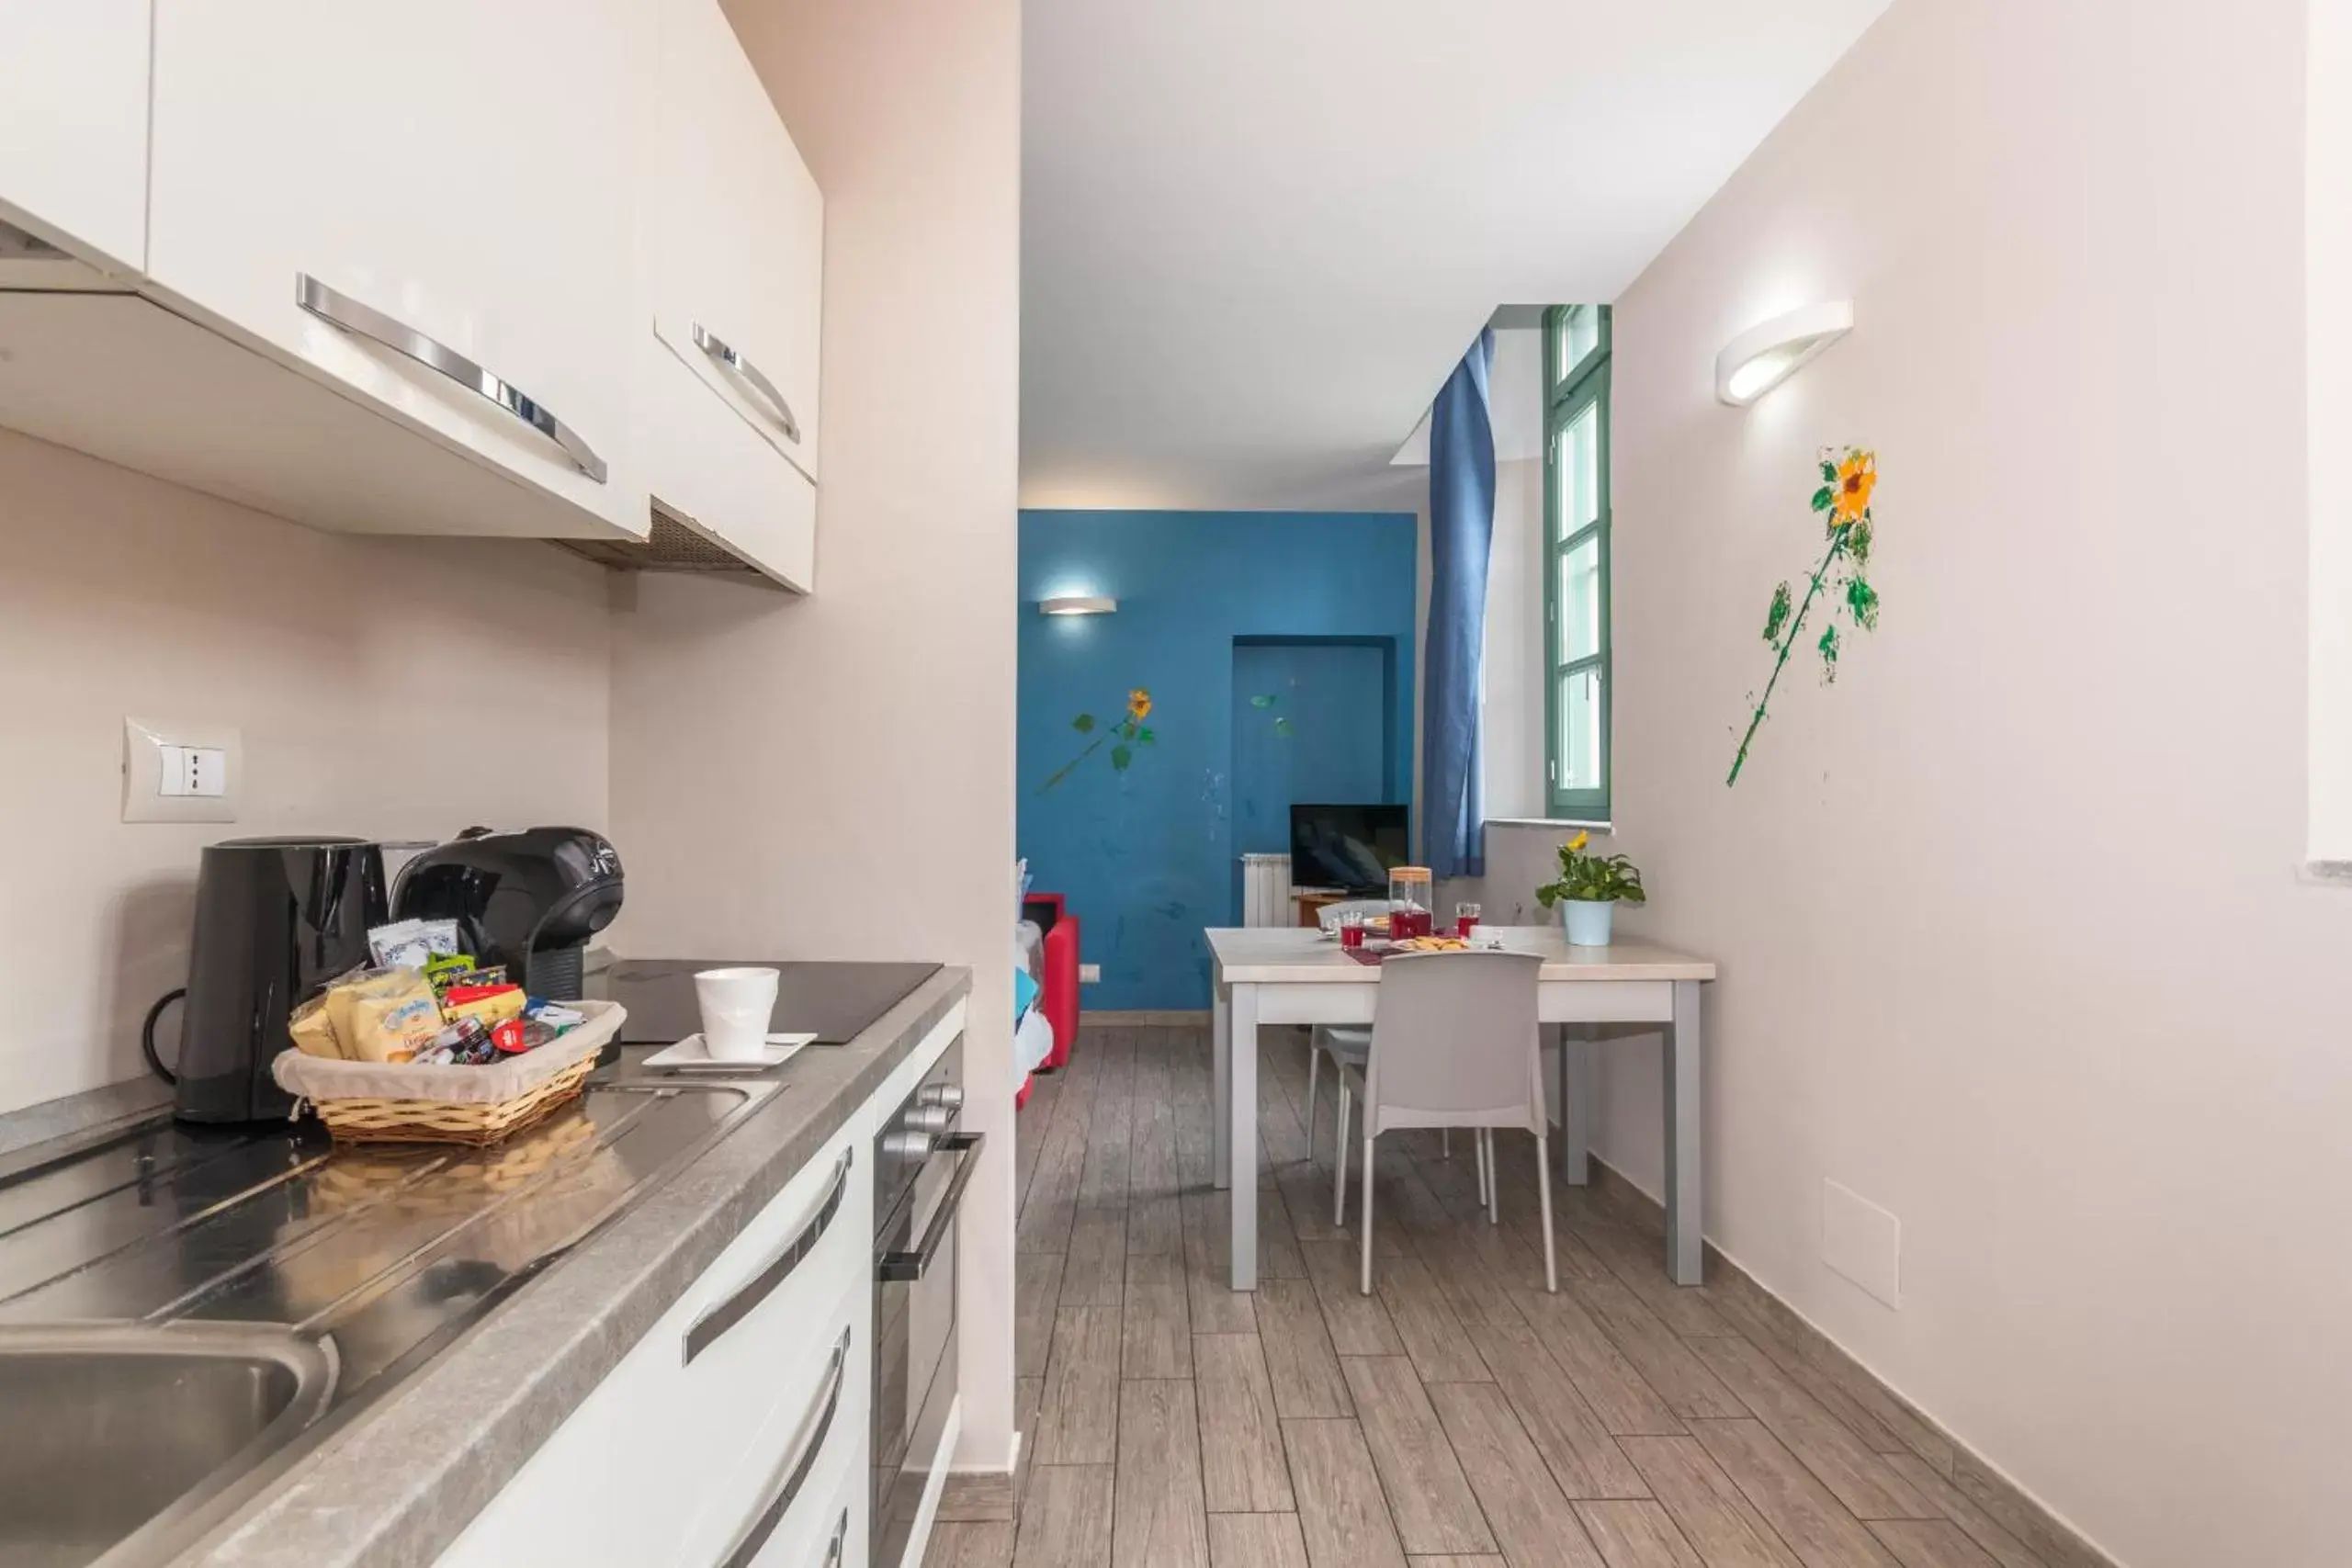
118, 1435
183, 1312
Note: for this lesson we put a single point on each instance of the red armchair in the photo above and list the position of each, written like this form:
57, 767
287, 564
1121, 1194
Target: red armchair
1059, 998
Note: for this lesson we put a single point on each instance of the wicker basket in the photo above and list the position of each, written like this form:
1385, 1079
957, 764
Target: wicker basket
449, 1105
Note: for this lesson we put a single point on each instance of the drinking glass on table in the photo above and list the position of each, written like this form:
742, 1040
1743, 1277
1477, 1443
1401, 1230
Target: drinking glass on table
1352, 928
1465, 919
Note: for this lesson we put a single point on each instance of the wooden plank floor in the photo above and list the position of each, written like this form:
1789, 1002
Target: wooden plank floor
1458, 1416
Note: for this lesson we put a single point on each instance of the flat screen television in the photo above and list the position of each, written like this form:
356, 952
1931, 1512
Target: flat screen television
1347, 847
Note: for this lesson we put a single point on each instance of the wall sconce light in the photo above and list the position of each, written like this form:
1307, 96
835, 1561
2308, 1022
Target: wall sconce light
1762, 357
1077, 604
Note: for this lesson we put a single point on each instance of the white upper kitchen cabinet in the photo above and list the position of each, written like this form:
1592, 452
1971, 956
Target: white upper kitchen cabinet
735, 254
73, 126
429, 204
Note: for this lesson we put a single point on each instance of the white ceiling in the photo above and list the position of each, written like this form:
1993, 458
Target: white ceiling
1514, 396
1256, 234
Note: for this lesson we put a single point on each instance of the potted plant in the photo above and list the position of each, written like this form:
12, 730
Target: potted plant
1590, 889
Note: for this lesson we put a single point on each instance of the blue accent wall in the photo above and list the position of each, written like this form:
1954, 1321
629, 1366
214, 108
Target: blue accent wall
1147, 857
1326, 731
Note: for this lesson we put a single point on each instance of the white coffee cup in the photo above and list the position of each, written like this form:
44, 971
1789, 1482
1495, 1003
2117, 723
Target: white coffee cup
735, 1007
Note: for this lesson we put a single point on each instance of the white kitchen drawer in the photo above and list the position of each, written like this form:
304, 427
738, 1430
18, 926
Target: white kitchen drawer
851, 1504
662, 1455
749, 1314
783, 1503
837, 1512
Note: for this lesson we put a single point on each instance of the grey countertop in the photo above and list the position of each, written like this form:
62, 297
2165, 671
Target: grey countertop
399, 1481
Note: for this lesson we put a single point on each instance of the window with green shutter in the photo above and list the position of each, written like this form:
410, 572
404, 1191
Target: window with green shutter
1575, 565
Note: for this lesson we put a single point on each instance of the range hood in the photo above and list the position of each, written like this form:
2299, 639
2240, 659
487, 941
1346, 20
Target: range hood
31, 263
676, 544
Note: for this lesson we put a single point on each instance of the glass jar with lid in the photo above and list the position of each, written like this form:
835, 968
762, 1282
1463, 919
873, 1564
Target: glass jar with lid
1409, 896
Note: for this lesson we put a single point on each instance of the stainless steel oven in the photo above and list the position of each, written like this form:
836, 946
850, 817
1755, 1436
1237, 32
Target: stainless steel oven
922, 1161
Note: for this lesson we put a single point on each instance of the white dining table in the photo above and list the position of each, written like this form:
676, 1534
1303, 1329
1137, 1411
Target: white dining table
1295, 975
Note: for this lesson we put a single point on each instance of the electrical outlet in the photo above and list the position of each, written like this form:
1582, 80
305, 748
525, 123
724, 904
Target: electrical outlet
194, 771
180, 772
1089, 974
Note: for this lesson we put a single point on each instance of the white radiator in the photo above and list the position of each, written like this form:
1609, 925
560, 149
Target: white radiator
1265, 891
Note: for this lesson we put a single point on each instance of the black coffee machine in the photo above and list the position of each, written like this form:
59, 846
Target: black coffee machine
528, 899
276, 920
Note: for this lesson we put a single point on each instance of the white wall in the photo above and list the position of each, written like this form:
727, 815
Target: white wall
337, 657
833, 776
2328, 273
1511, 711
2011, 934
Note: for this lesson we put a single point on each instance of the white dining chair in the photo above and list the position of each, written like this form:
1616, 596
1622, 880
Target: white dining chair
1454, 1043
1331, 1039
1349, 1045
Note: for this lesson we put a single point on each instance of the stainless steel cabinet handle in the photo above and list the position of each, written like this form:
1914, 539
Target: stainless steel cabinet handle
913, 1265
706, 1329
710, 342
346, 314
794, 1476
840, 1539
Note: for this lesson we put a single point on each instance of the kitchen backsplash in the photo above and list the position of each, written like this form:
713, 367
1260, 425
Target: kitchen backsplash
396, 688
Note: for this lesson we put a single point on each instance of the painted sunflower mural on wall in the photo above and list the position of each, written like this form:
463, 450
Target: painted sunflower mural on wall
1124, 735
1848, 478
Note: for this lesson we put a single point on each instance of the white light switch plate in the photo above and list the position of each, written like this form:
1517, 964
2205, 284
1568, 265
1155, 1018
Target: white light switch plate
181, 772
1862, 1242
1090, 974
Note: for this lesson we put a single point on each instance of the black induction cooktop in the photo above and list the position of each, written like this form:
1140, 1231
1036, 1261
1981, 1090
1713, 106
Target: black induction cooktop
834, 1001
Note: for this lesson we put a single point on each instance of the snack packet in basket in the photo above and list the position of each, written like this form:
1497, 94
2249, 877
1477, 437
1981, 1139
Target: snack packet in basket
312, 1030
384, 1015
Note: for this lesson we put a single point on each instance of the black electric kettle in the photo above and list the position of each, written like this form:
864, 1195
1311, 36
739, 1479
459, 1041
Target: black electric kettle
276, 920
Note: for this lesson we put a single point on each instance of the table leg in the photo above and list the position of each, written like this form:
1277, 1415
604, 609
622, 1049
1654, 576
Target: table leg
1575, 1104
1685, 1240
1242, 1120
1220, 1082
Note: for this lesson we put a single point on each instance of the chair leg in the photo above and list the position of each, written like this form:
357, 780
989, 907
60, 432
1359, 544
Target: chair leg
1445, 1143
1494, 1180
1478, 1156
1340, 1159
1314, 1070
1544, 1185
1363, 1284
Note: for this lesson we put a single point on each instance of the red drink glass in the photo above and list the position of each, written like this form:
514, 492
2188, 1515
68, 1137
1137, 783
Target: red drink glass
1465, 919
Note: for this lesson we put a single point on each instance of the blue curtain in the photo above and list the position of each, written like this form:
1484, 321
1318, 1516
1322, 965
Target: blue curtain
1462, 533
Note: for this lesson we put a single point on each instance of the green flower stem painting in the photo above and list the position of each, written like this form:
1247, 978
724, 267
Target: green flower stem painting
1283, 730
1123, 736
1844, 502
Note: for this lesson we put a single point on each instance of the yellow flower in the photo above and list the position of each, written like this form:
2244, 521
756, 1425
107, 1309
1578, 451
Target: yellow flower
1857, 476
1138, 704
1577, 844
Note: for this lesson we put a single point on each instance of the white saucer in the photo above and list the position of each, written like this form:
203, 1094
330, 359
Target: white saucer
690, 1052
